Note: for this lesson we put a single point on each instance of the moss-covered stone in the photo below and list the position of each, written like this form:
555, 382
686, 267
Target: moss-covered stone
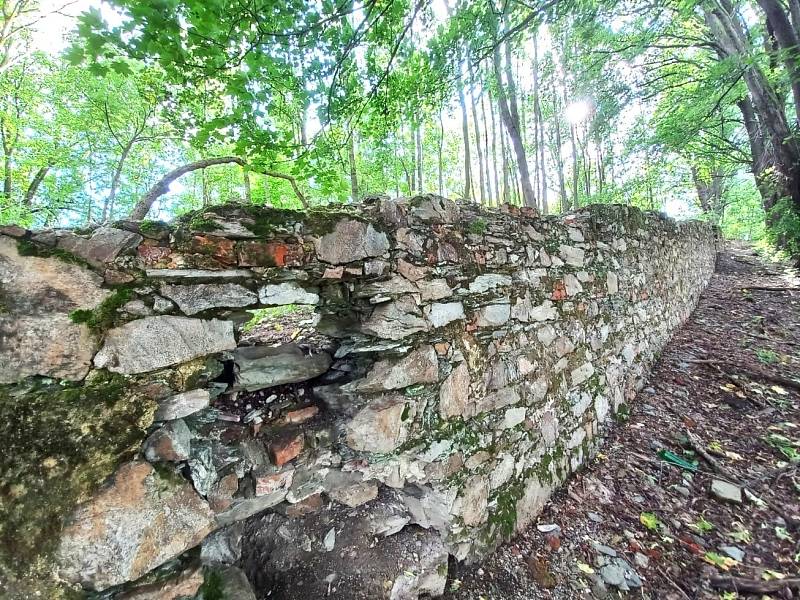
60, 441
29, 248
102, 317
477, 226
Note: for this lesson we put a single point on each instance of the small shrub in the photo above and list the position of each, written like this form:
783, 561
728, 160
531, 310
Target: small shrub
478, 226
768, 357
783, 226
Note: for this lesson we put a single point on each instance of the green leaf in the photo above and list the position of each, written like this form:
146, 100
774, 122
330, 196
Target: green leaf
719, 561
650, 521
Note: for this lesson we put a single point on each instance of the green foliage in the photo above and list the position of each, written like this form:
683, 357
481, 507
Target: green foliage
650, 521
784, 226
213, 587
702, 526
477, 226
789, 448
768, 357
264, 315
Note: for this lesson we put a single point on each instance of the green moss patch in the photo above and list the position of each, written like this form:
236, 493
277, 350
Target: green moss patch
29, 248
102, 317
213, 586
60, 442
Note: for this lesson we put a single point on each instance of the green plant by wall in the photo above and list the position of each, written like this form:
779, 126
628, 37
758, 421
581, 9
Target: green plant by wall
783, 226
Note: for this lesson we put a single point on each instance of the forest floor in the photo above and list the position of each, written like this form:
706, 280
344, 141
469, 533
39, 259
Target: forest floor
717, 396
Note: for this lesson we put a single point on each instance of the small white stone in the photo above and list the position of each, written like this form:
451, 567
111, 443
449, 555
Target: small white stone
582, 373
286, 293
576, 235
493, 315
513, 417
546, 334
572, 255
572, 285
612, 282
440, 314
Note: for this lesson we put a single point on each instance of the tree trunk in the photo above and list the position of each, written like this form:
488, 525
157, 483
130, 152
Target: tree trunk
465, 134
248, 191
7, 152
510, 116
766, 103
353, 171
108, 205
562, 188
703, 191
418, 146
794, 11
412, 181
575, 173
34, 185
441, 154
7, 177
486, 154
504, 151
481, 183
494, 151
539, 125
788, 41
143, 206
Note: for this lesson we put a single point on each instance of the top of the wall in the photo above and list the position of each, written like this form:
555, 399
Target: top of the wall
232, 237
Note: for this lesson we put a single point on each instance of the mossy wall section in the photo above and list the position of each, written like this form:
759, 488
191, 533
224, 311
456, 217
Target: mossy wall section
532, 331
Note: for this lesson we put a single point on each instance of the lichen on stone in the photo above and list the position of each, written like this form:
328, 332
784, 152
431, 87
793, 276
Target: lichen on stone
61, 441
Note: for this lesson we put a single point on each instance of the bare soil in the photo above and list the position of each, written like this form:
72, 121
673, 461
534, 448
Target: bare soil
725, 387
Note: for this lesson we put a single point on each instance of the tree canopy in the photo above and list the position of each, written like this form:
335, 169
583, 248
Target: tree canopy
153, 108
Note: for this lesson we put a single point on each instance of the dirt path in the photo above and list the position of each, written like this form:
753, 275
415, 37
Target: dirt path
632, 512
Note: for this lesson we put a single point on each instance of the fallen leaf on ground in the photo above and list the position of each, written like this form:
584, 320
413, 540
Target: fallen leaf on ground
722, 562
649, 520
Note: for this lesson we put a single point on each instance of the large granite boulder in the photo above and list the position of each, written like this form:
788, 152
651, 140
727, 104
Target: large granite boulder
136, 523
37, 336
156, 342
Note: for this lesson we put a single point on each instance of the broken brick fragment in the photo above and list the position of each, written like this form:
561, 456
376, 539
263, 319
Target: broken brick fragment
301, 415
219, 248
285, 448
269, 254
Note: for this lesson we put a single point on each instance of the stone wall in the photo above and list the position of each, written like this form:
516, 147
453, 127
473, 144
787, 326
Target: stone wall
425, 375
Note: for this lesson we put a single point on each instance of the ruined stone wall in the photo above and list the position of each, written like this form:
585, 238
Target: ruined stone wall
452, 367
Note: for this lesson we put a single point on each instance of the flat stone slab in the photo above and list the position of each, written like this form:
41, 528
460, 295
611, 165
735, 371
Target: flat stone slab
192, 299
199, 273
261, 367
728, 492
156, 342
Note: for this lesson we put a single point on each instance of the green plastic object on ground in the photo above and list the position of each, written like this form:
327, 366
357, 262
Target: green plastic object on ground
676, 460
